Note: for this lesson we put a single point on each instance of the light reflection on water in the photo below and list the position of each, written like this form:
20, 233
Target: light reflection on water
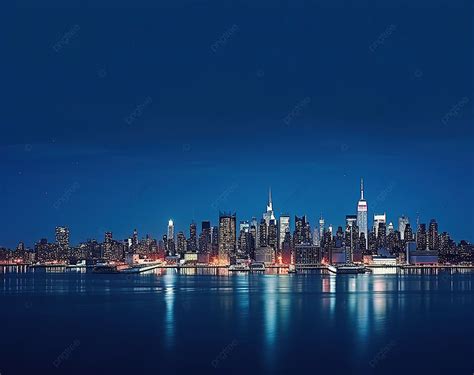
271, 315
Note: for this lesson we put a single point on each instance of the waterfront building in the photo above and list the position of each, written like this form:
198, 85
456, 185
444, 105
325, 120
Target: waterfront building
286, 248
307, 254
227, 237
265, 254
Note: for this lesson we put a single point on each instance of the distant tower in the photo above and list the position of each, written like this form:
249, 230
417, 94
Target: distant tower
362, 212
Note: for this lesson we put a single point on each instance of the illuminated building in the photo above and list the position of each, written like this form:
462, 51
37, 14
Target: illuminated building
362, 210
227, 237
283, 226
402, 223
62, 237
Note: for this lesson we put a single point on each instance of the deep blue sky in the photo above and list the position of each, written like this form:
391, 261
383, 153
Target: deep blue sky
213, 118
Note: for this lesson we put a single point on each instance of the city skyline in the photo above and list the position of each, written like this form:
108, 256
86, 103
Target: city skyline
369, 220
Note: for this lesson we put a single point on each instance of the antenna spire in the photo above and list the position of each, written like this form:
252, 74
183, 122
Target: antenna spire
270, 197
361, 189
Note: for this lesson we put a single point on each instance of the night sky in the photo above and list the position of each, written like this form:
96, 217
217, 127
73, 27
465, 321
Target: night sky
127, 114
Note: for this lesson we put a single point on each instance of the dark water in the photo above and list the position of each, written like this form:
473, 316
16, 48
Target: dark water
82, 323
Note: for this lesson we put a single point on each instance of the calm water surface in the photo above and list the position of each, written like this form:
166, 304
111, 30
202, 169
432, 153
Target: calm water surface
210, 321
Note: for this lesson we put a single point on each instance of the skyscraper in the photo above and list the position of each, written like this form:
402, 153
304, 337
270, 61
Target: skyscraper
244, 225
227, 237
433, 235
269, 215
171, 243
170, 230
421, 242
272, 234
302, 234
205, 237
263, 233
215, 241
362, 209
243, 248
135, 238
284, 224
402, 223
378, 219
321, 228
181, 244
316, 240
351, 220
390, 228
192, 243
408, 234
62, 237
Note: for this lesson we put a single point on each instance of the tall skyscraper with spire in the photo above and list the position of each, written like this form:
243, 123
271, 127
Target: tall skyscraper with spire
269, 215
362, 213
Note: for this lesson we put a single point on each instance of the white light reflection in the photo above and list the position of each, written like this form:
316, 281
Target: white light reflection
169, 280
270, 318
